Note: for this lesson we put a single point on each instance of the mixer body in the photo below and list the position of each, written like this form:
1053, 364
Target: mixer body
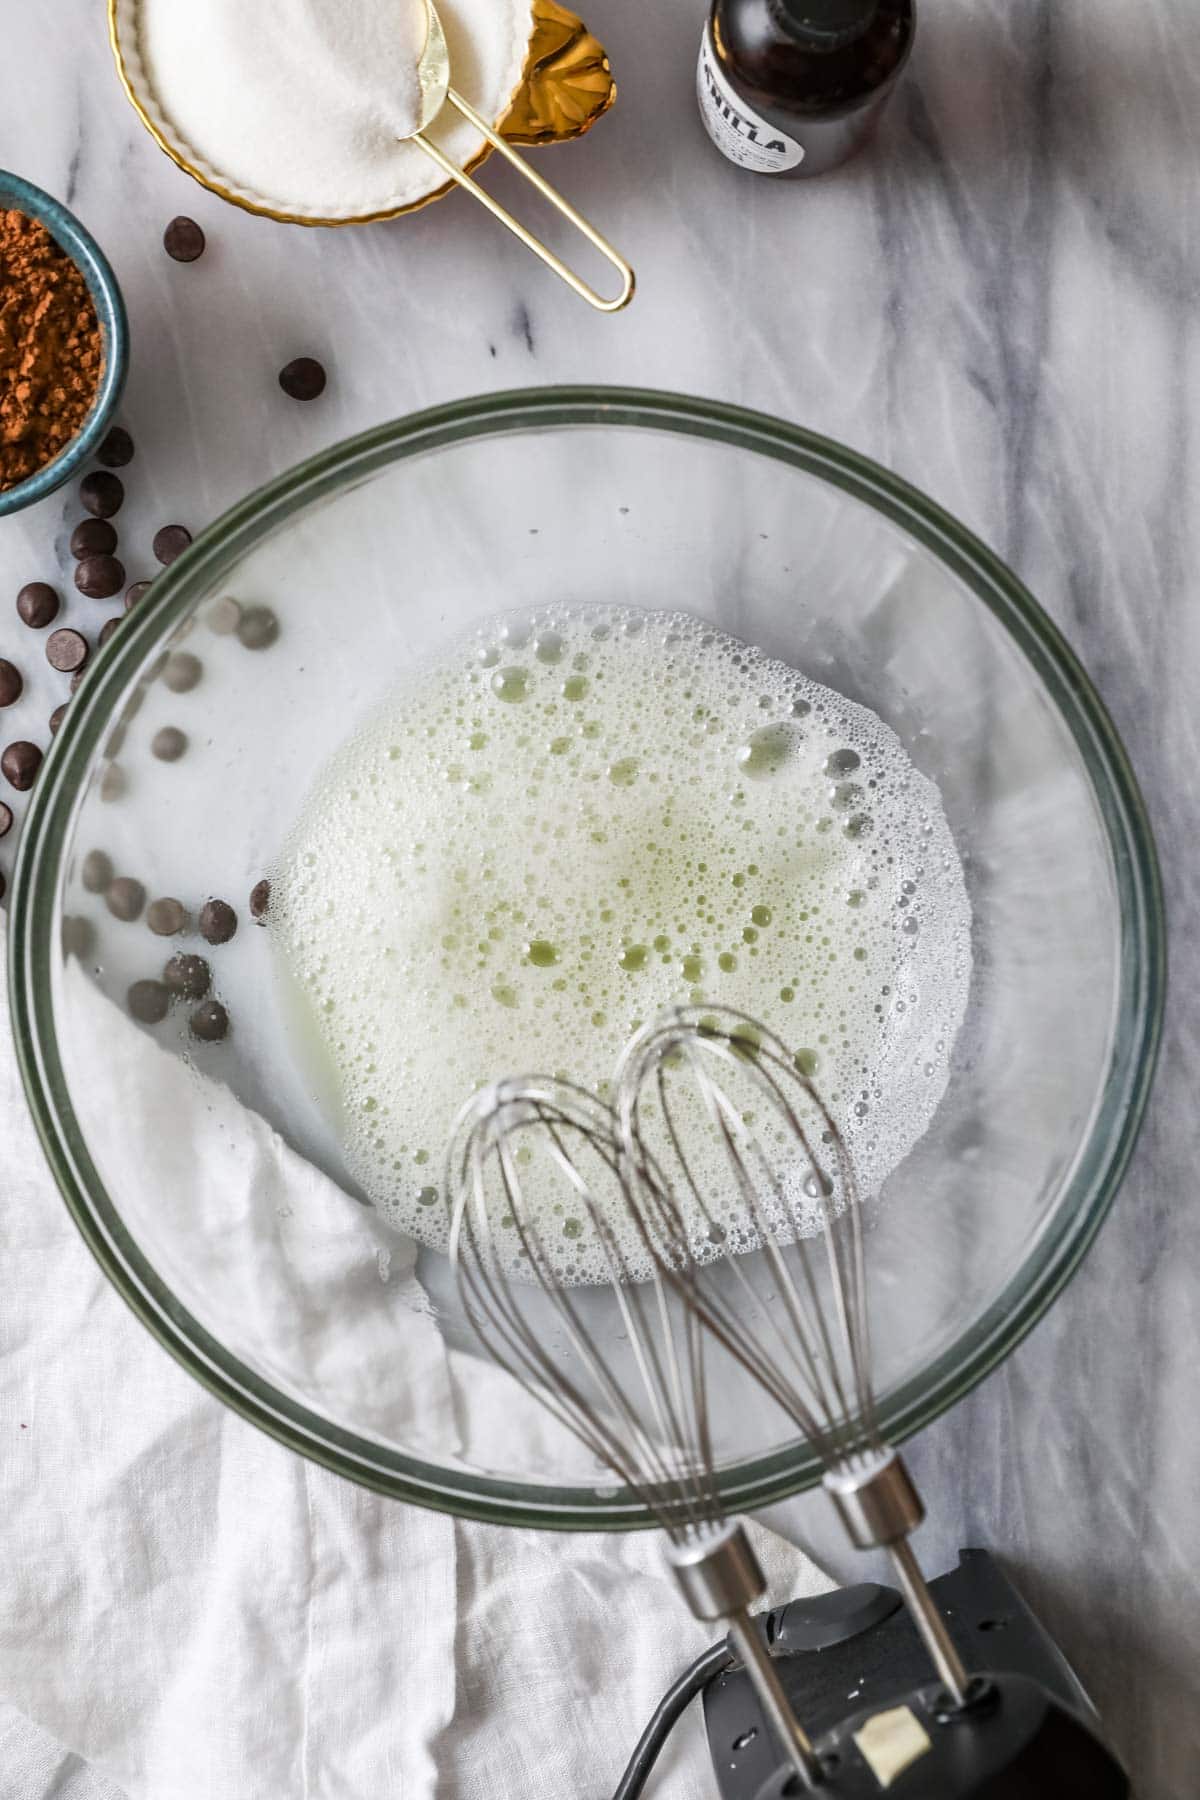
848, 1657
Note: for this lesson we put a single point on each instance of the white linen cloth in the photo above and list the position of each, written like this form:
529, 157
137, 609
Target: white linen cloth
190, 1612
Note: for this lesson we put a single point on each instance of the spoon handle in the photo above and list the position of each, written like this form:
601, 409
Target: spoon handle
451, 168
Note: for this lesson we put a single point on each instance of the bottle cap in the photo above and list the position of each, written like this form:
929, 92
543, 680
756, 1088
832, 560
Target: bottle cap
824, 24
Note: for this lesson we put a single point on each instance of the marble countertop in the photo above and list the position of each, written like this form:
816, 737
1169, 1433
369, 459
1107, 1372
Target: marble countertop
999, 302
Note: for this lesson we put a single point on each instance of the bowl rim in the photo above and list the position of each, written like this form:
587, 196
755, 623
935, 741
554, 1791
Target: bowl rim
1054, 1253
79, 244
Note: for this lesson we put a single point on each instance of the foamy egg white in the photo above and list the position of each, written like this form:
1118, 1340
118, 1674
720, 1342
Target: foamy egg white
575, 819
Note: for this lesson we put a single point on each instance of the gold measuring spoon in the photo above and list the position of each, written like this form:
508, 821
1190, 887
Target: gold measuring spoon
433, 75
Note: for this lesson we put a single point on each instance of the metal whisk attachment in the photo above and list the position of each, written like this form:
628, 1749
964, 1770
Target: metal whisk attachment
535, 1181
746, 1201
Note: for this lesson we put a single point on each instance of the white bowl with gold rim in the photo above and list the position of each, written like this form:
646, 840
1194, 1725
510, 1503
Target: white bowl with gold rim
548, 81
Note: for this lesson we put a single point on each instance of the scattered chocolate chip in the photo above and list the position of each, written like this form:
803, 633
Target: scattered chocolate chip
6, 819
171, 541
37, 604
260, 900
102, 493
78, 936
168, 743
257, 628
303, 378
133, 594
20, 764
57, 717
182, 671
187, 976
107, 629
116, 741
11, 683
66, 650
166, 917
96, 872
76, 678
149, 1002
183, 240
223, 616
93, 537
210, 1021
125, 898
218, 921
117, 449
99, 577
113, 782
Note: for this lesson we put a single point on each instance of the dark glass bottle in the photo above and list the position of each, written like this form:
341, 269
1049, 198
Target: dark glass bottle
794, 87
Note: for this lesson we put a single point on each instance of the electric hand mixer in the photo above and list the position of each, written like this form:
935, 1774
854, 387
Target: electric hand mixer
721, 1152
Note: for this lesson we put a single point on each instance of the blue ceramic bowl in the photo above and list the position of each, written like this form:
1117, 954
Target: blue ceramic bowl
86, 254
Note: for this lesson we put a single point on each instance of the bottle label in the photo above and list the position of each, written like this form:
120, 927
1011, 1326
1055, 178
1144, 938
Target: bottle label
736, 129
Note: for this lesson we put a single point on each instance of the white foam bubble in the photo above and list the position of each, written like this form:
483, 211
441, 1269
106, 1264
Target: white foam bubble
579, 817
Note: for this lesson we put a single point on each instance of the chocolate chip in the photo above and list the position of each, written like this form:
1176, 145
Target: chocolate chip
11, 683
257, 628
149, 1002
57, 717
210, 1021
187, 976
171, 541
66, 650
168, 743
125, 898
183, 240
20, 764
96, 872
218, 921
102, 493
6, 819
37, 604
93, 537
302, 379
117, 449
99, 577
76, 678
223, 616
260, 900
133, 594
182, 671
166, 917
116, 741
77, 935
113, 782
107, 629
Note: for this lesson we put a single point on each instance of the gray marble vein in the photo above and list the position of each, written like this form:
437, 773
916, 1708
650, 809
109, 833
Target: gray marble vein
998, 301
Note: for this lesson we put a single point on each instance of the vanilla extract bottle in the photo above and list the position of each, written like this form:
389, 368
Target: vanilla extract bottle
795, 87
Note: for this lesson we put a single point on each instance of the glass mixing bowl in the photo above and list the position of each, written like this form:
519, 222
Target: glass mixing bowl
205, 1176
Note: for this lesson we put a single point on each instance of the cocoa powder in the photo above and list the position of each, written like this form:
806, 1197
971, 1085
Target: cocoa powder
51, 348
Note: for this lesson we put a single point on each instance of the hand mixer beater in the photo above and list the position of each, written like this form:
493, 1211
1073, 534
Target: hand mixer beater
518, 1147
736, 1169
